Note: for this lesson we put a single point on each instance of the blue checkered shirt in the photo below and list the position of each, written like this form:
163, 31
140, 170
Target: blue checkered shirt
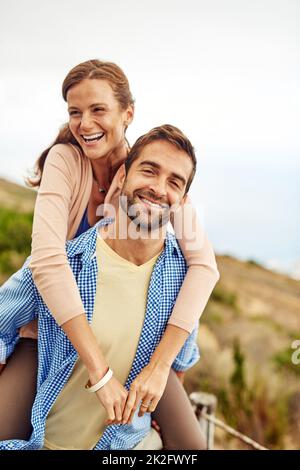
20, 303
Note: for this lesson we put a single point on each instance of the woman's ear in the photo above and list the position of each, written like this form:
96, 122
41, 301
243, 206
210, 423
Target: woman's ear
129, 115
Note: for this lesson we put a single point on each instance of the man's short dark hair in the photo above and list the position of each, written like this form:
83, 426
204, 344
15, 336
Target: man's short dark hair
167, 133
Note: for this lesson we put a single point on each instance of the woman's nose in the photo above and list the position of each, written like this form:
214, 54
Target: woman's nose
86, 122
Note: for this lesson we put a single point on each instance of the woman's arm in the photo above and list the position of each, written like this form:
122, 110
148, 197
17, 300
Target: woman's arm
202, 274
150, 384
51, 229
52, 273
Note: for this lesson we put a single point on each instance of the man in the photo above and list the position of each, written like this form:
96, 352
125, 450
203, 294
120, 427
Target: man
128, 283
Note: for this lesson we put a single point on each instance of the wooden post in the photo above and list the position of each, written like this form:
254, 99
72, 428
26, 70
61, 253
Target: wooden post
207, 403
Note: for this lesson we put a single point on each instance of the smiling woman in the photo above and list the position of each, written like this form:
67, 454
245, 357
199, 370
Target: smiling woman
87, 155
96, 119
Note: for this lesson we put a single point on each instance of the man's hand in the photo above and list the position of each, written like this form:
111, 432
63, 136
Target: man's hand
147, 388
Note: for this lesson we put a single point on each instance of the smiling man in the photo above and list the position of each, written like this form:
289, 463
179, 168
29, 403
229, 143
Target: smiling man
163, 172
129, 271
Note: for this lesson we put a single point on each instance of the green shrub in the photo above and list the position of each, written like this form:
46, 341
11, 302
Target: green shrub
283, 361
224, 296
15, 239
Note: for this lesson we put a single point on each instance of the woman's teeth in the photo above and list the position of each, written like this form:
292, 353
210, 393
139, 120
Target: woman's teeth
92, 138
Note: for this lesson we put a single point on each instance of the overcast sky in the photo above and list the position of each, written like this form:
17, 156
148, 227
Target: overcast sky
225, 71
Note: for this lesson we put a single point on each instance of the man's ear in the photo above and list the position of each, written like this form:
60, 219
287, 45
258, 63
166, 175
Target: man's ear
184, 199
120, 176
116, 184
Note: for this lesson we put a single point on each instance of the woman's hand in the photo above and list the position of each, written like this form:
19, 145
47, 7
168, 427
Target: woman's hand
113, 397
147, 387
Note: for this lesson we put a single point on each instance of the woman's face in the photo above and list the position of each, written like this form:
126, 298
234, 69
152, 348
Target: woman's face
96, 119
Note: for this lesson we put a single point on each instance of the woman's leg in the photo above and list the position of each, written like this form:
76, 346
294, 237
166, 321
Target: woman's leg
179, 427
18, 390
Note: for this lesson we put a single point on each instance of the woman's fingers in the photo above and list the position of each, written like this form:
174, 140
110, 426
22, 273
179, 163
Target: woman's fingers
113, 398
135, 407
153, 405
145, 405
130, 406
110, 412
118, 412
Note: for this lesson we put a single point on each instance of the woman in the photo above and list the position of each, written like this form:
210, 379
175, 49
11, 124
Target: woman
74, 179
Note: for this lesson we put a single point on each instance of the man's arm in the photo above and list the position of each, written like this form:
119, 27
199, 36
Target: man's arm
18, 307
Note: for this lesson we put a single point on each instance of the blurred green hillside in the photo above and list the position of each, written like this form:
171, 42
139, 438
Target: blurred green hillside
16, 211
245, 336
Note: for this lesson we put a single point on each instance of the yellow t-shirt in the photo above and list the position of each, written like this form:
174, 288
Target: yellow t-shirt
76, 420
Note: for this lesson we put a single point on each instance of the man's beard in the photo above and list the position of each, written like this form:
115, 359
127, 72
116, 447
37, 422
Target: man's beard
144, 217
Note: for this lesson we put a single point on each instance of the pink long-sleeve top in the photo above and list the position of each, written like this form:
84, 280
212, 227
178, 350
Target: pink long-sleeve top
62, 198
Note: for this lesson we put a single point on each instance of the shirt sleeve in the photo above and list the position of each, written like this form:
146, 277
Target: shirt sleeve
49, 265
17, 308
202, 274
189, 354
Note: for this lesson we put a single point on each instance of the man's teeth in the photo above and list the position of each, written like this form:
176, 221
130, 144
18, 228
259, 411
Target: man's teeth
157, 206
91, 138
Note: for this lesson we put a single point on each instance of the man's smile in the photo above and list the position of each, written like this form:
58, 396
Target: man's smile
152, 203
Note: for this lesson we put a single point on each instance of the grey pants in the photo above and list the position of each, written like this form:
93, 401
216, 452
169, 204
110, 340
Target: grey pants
180, 429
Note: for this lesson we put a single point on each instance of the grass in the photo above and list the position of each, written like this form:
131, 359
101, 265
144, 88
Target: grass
224, 297
283, 361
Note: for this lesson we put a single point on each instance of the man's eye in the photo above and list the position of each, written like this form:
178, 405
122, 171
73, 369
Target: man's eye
175, 184
99, 109
149, 172
73, 113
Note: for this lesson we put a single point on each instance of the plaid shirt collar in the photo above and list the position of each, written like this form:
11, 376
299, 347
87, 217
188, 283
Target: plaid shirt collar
85, 245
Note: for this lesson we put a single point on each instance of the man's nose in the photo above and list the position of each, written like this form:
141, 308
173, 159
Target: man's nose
159, 187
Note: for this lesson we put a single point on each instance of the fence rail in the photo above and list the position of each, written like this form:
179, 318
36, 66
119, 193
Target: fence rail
205, 405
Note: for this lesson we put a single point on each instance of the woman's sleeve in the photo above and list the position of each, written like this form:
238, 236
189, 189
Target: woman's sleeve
202, 274
49, 265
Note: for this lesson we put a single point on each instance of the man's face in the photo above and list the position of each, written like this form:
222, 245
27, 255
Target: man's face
155, 181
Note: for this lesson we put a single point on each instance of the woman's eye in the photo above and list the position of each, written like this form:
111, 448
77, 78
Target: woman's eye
73, 113
148, 172
98, 109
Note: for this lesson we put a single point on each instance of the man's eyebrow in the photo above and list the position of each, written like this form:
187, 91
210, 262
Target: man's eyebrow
91, 106
157, 166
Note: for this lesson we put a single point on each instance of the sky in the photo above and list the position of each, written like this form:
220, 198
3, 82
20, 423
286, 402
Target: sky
224, 71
